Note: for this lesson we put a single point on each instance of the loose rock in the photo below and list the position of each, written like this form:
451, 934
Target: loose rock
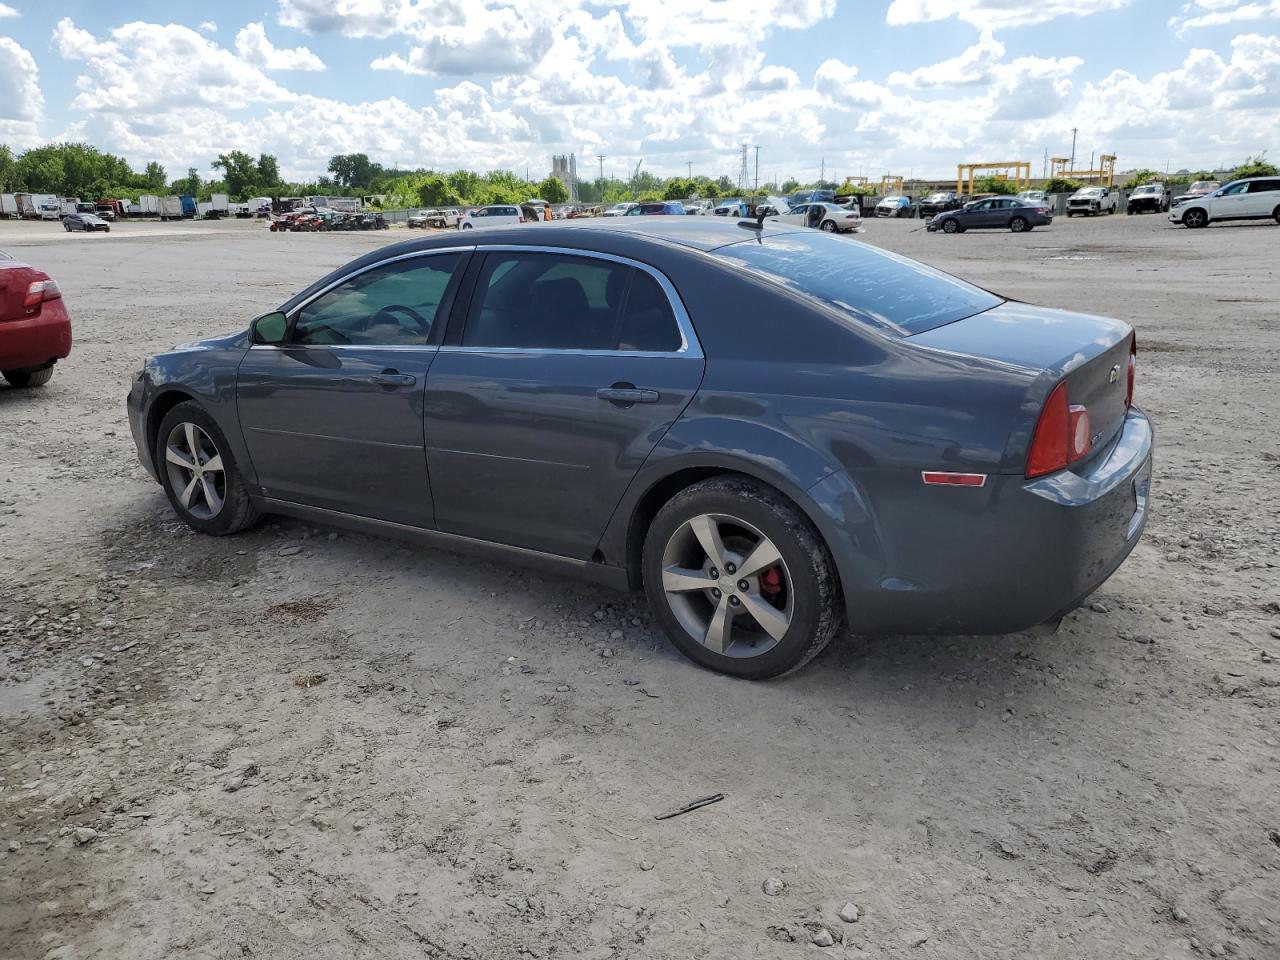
773, 887
823, 938
849, 913
83, 835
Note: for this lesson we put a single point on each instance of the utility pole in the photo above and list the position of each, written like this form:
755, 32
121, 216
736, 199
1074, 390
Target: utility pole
757, 176
689, 164
1073, 148
822, 172
744, 175
601, 158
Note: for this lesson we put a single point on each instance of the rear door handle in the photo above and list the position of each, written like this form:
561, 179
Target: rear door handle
389, 378
627, 395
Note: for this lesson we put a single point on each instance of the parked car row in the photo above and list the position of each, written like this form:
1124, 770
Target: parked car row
316, 221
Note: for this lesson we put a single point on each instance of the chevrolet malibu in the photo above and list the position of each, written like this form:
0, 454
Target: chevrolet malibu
772, 431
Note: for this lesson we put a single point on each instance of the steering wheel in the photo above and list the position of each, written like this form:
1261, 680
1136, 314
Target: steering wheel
391, 309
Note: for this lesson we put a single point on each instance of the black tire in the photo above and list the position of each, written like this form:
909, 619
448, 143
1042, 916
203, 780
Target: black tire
1070, 214
66, 227
828, 226
1128, 211
1019, 225
237, 512
28, 378
817, 605
1195, 218
1275, 214
950, 226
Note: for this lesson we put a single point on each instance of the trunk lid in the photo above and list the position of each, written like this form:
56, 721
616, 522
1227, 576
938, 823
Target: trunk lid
15, 277
1091, 353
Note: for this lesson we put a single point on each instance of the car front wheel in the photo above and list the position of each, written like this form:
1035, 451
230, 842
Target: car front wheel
1195, 218
950, 226
199, 473
739, 579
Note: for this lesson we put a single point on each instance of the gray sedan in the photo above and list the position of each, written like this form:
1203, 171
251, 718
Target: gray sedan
771, 431
1005, 213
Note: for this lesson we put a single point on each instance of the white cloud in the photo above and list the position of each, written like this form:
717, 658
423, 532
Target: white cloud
971, 67
208, 26
1216, 13
994, 14
8, 11
21, 100
149, 66
254, 47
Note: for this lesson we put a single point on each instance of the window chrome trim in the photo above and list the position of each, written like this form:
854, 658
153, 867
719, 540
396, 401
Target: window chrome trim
689, 345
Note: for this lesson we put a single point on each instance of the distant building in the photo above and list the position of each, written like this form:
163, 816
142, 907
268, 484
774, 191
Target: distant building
566, 168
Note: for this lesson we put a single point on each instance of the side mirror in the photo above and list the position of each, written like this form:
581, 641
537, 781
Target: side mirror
270, 328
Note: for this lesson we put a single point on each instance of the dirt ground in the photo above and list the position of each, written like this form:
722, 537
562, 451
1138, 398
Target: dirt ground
228, 748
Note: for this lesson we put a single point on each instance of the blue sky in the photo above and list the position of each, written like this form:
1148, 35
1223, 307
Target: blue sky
869, 86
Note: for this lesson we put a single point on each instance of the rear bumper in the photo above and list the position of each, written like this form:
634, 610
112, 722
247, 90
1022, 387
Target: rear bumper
1006, 556
36, 341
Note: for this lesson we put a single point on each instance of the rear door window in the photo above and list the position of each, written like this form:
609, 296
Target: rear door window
1264, 186
543, 301
862, 283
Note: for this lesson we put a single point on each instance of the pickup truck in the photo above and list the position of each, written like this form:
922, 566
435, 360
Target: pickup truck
1148, 198
35, 331
1092, 201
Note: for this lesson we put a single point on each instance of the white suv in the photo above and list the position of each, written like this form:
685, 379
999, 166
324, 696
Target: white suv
503, 215
1254, 198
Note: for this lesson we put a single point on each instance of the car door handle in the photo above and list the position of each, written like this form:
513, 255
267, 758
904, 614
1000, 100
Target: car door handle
620, 394
389, 378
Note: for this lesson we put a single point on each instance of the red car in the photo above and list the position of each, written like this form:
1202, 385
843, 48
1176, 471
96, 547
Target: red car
35, 331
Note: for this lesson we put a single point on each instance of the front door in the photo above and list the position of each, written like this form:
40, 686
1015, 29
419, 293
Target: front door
1231, 202
333, 417
567, 372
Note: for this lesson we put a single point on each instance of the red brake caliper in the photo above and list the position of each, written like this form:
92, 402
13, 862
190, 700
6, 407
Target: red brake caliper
771, 583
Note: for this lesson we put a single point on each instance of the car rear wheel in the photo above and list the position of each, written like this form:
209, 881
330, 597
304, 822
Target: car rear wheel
950, 226
28, 378
739, 579
1275, 214
1019, 225
1195, 218
828, 226
199, 473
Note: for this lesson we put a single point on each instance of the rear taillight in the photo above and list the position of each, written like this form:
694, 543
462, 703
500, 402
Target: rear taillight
40, 291
1133, 371
1061, 436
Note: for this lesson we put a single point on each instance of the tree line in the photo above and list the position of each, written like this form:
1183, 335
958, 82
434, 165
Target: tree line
82, 170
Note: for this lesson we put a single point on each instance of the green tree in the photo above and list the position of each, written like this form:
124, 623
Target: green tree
268, 171
240, 172
678, 188
190, 184
1139, 177
553, 190
153, 177
994, 185
1062, 185
789, 186
1254, 167
726, 186
352, 169
436, 192
8, 170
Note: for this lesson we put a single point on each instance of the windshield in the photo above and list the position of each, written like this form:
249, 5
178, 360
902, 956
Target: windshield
863, 283
939, 197
1146, 189
1089, 192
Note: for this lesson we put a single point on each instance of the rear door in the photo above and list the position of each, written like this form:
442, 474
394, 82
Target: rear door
333, 418
553, 386
1264, 197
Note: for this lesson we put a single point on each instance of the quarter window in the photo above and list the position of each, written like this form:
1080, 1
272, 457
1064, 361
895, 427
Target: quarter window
553, 302
391, 305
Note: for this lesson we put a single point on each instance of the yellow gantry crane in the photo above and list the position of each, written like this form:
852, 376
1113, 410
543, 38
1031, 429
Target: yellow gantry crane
852, 182
1019, 171
1105, 174
889, 186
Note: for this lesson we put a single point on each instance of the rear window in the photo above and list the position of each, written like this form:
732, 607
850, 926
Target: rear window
862, 282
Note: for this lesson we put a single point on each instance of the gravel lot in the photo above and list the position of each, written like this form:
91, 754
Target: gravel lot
229, 748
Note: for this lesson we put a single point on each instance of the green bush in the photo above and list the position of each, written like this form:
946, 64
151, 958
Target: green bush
1062, 185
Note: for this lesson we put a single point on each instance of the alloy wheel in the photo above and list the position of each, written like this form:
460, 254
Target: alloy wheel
196, 474
727, 585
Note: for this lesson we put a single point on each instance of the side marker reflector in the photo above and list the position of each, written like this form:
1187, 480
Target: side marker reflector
943, 478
